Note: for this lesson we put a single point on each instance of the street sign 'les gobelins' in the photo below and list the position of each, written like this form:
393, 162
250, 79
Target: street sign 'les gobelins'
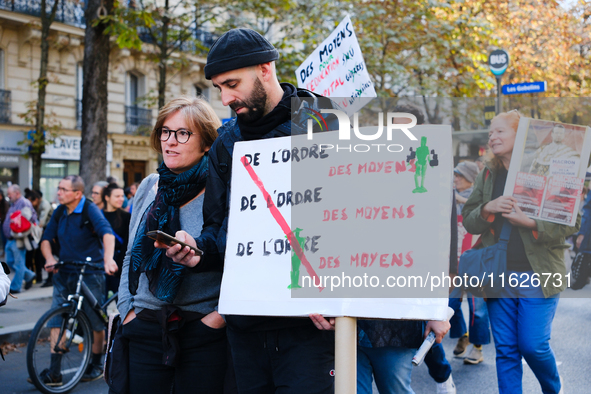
525, 87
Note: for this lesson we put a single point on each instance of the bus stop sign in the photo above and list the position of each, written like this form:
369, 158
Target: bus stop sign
498, 61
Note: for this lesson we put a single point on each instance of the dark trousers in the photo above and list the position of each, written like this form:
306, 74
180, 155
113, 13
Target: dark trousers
291, 360
439, 367
201, 367
36, 262
112, 283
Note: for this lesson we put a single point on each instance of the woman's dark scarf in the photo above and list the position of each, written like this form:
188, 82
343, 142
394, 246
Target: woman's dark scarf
164, 275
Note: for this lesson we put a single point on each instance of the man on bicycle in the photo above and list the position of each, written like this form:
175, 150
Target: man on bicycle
78, 231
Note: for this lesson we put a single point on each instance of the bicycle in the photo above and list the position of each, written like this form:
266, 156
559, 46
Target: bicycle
73, 340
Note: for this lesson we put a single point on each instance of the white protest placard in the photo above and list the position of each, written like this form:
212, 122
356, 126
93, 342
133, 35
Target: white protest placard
337, 69
547, 169
319, 228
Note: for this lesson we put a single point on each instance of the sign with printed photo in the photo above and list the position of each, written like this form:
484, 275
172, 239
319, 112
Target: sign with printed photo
547, 169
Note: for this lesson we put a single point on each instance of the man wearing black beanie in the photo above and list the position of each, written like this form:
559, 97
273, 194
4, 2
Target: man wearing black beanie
268, 352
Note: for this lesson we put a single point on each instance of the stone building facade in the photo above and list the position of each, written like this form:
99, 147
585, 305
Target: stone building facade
130, 119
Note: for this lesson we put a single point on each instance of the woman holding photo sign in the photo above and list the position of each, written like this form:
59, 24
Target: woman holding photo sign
168, 295
521, 318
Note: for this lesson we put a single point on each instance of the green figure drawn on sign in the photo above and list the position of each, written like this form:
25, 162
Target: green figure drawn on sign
296, 262
422, 159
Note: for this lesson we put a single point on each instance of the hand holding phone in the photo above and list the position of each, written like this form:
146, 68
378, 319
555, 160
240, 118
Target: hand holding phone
169, 240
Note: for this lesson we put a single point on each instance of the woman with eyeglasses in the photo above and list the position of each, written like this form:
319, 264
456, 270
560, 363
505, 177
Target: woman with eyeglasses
168, 298
521, 317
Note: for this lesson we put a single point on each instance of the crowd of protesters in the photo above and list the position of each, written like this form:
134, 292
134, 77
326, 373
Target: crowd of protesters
116, 210
175, 340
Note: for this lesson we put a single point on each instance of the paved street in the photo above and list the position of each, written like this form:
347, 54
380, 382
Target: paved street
570, 343
17, 318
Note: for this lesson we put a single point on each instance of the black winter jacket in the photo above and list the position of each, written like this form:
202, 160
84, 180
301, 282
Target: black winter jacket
216, 205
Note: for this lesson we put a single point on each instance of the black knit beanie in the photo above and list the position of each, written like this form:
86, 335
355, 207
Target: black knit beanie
236, 49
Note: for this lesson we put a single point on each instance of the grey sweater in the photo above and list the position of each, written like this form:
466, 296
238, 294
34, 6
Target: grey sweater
199, 292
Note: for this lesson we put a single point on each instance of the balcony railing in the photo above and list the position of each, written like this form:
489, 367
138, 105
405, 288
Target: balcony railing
68, 12
206, 38
79, 114
138, 121
72, 13
5, 106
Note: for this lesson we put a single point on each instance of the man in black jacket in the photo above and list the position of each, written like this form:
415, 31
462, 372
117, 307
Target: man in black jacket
268, 352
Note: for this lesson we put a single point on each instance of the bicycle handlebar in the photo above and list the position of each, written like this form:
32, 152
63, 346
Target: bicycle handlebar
91, 264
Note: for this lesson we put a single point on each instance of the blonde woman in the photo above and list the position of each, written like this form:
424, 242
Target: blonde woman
521, 318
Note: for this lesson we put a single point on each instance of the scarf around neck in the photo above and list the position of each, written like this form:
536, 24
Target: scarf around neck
174, 190
279, 115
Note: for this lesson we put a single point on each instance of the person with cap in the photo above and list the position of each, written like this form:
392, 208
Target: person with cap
464, 175
478, 332
269, 353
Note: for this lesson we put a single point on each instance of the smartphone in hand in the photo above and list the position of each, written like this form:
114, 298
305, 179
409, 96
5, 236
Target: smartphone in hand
169, 240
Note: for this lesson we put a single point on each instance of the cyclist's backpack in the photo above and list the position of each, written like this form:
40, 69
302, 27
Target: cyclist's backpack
59, 211
85, 222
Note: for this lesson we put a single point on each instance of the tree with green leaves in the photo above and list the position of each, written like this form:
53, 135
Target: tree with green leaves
295, 28
171, 27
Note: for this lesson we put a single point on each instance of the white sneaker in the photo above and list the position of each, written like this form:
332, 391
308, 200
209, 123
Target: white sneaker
77, 338
475, 356
447, 387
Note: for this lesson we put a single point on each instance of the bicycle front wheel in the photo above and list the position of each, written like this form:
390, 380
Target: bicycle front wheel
59, 331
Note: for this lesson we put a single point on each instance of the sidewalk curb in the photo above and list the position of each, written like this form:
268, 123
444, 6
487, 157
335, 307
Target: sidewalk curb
21, 335
18, 333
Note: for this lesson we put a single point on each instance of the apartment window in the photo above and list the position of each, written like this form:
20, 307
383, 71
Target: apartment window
5, 98
1, 69
132, 88
202, 91
138, 120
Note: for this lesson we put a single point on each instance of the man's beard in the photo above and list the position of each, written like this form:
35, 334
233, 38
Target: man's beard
255, 104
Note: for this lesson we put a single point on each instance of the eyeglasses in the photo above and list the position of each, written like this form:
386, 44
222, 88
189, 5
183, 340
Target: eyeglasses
181, 135
63, 190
